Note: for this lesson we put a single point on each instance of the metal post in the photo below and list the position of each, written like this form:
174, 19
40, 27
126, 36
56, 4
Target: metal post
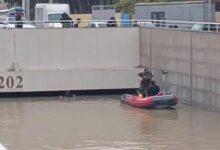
23, 4
209, 9
150, 40
191, 69
27, 10
26, 7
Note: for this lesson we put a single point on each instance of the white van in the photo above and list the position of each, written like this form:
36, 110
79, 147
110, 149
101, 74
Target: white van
48, 15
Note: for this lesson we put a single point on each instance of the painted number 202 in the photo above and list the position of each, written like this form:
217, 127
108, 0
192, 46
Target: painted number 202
11, 82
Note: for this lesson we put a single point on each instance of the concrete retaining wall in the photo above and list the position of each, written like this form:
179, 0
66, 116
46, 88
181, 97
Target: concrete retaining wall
68, 59
190, 61
77, 48
6, 49
185, 63
74, 79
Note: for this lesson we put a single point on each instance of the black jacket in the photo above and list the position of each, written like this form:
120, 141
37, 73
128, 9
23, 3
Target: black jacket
153, 90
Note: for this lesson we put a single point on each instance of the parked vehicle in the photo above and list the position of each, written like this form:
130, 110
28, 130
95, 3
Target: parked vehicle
198, 27
206, 27
48, 15
10, 22
97, 24
3, 26
145, 24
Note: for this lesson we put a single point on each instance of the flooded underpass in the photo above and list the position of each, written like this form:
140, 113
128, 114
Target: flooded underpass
102, 122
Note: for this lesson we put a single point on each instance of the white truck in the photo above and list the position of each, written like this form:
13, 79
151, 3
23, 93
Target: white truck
48, 15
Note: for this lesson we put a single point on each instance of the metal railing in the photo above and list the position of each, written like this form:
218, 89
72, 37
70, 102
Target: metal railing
164, 24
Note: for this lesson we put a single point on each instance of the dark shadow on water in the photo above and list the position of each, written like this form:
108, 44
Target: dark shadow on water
66, 93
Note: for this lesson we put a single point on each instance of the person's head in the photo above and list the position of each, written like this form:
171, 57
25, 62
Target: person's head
112, 18
78, 20
146, 69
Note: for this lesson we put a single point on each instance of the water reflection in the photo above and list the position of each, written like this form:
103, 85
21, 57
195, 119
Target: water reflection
150, 123
11, 119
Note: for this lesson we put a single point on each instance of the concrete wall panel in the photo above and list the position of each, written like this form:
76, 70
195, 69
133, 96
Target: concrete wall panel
6, 49
192, 62
69, 59
77, 79
169, 50
206, 54
145, 49
77, 48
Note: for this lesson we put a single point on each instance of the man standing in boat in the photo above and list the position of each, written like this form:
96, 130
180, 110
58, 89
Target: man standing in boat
146, 78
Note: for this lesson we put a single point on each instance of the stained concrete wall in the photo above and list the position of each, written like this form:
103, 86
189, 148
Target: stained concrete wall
77, 48
205, 70
108, 58
68, 59
190, 61
6, 49
74, 79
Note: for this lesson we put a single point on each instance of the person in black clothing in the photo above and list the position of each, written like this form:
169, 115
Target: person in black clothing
19, 23
146, 78
66, 21
153, 89
112, 22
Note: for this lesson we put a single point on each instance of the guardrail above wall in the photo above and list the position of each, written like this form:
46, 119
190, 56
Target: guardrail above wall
165, 24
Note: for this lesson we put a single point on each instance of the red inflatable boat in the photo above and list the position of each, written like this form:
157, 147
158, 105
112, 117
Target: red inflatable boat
162, 99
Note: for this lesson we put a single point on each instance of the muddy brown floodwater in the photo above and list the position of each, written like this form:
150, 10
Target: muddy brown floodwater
102, 122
